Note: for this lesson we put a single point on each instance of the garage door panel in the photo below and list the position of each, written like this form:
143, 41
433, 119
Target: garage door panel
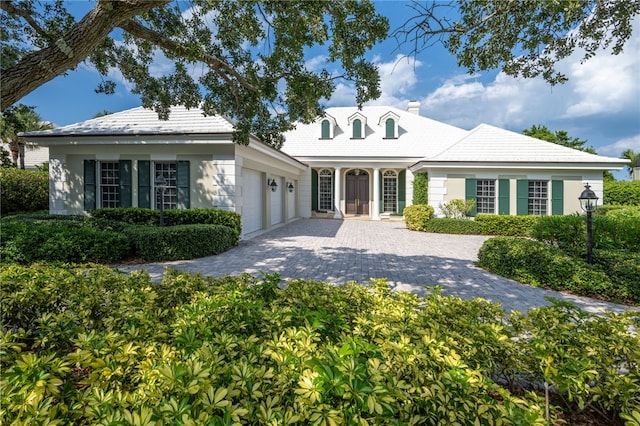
252, 201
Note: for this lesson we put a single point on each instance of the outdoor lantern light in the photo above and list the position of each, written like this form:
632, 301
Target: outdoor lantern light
161, 184
290, 187
273, 185
588, 202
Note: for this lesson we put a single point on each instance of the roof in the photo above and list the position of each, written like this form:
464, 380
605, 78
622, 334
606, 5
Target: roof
143, 121
487, 143
417, 136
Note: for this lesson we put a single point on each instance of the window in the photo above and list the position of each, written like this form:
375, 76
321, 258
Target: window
326, 129
390, 191
537, 199
357, 129
168, 197
325, 190
486, 196
109, 184
390, 128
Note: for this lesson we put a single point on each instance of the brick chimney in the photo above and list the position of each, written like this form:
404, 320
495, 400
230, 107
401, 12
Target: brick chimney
413, 107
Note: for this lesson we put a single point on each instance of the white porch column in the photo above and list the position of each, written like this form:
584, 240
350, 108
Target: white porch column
336, 195
376, 194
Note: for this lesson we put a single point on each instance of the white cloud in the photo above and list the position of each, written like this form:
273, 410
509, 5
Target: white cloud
618, 147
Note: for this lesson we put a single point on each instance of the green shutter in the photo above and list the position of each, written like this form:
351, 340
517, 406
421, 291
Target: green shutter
357, 129
125, 183
144, 184
522, 194
390, 127
326, 133
89, 185
182, 182
557, 197
503, 196
314, 190
471, 193
402, 190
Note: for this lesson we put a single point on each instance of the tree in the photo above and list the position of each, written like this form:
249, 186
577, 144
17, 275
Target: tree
13, 121
102, 113
633, 157
250, 55
524, 38
559, 137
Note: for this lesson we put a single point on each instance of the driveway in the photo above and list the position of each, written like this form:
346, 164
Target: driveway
339, 251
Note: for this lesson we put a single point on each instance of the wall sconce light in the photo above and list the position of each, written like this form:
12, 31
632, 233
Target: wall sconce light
290, 187
272, 184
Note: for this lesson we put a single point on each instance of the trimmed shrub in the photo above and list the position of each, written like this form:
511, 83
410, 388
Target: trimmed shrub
138, 216
618, 211
28, 243
616, 233
458, 208
181, 241
623, 268
536, 263
421, 188
443, 225
23, 190
506, 225
622, 192
417, 215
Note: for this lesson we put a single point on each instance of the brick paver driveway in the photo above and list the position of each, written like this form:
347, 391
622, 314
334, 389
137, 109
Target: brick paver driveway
339, 251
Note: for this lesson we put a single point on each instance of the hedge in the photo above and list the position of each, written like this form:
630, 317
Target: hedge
622, 192
23, 190
139, 216
28, 243
444, 225
101, 347
180, 241
506, 225
539, 264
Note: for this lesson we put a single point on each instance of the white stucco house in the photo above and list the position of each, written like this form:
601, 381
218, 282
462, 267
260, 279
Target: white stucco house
348, 162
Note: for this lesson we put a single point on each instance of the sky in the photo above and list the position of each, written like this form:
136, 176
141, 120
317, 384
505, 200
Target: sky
600, 103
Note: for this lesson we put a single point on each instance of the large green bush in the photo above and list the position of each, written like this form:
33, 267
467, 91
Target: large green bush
613, 277
622, 192
28, 243
101, 347
139, 216
23, 190
506, 225
444, 225
416, 216
180, 241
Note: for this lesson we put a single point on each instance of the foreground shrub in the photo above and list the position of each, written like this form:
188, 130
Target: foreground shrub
506, 225
539, 264
415, 216
67, 242
622, 192
23, 190
139, 216
181, 241
112, 348
443, 225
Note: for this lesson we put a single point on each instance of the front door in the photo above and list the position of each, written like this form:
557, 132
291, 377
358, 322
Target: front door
357, 192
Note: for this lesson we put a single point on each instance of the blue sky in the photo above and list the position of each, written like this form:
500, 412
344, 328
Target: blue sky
600, 103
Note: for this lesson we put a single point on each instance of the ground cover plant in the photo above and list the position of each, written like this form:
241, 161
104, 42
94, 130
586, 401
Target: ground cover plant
95, 346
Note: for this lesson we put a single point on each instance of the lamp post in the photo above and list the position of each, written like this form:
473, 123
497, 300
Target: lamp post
588, 202
161, 184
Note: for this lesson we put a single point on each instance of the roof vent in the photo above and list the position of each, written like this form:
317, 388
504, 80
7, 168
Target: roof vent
413, 107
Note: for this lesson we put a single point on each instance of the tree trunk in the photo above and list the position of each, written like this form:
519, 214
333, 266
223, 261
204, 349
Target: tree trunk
21, 152
43, 65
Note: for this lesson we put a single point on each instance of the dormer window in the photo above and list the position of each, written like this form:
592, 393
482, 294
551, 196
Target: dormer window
327, 125
390, 123
358, 123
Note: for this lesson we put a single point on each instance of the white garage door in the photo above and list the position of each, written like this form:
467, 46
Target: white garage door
252, 193
276, 202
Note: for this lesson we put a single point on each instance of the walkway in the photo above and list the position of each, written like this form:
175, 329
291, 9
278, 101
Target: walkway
339, 251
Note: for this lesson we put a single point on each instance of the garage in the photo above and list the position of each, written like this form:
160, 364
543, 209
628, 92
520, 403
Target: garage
252, 200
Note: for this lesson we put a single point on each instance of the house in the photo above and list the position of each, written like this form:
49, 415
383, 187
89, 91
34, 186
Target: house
350, 161
34, 156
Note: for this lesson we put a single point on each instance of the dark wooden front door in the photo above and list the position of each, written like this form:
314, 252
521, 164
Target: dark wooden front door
357, 192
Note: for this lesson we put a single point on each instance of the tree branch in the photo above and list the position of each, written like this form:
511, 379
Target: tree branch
218, 65
8, 7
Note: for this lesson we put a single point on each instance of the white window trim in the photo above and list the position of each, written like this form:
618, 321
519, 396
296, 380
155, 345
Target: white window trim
547, 198
99, 201
495, 195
